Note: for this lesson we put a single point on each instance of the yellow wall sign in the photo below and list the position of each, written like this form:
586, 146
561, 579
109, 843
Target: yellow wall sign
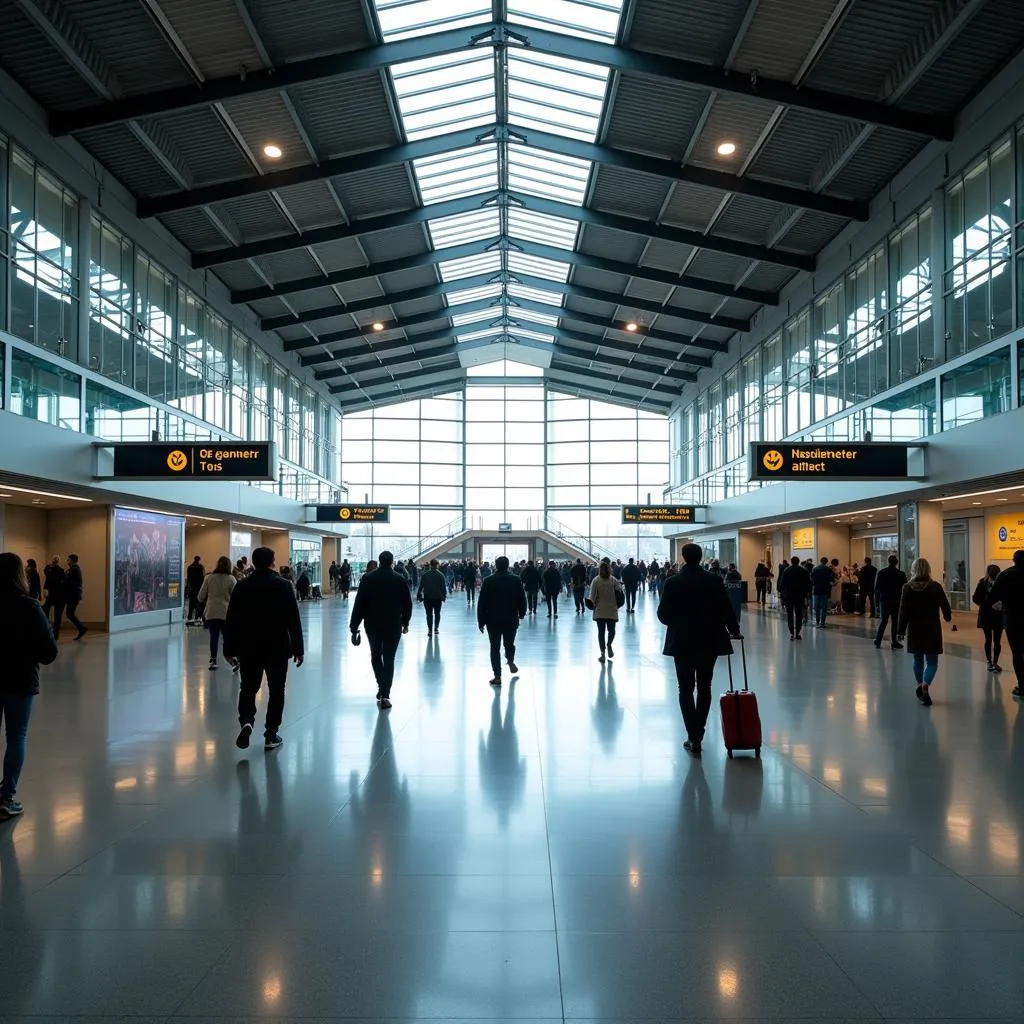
1004, 534
802, 539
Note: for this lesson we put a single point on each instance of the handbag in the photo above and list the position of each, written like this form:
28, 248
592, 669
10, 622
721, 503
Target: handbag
588, 603
620, 598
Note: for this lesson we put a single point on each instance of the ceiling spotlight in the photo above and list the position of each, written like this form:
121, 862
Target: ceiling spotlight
377, 325
273, 151
632, 326
726, 148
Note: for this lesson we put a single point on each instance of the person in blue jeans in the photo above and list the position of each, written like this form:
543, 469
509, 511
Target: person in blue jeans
27, 641
822, 579
923, 605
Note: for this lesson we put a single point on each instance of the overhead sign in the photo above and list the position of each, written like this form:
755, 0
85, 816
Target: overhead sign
659, 513
802, 539
504, 527
214, 460
826, 460
352, 514
1004, 534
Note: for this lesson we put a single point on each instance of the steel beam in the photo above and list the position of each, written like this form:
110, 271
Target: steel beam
427, 391
390, 381
390, 364
686, 376
611, 378
360, 362
517, 38
624, 348
346, 357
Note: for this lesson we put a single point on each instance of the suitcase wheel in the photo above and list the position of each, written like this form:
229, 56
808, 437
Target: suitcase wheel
729, 752
757, 751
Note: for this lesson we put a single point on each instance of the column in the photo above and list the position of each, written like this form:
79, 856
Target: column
920, 527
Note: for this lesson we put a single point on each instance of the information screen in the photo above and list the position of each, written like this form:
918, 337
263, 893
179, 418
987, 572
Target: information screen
214, 460
659, 513
148, 549
353, 514
829, 461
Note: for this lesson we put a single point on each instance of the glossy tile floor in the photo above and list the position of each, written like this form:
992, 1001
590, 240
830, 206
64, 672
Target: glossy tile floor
547, 853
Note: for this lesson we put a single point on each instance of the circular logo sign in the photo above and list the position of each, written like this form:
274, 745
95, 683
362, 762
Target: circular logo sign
1003, 533
177, 461
772, 460
345, 513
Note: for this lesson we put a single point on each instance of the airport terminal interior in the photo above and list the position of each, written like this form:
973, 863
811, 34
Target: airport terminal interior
567, 282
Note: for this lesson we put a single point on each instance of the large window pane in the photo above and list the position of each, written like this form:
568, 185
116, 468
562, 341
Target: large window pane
45, 392
977, 390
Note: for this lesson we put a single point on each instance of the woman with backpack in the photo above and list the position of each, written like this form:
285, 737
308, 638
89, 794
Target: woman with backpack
990, 617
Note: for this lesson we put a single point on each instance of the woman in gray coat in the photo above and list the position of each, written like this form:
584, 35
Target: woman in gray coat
606, 607
922, 604
215, 593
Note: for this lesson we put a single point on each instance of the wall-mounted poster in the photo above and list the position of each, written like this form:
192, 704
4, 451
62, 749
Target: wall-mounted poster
147, 561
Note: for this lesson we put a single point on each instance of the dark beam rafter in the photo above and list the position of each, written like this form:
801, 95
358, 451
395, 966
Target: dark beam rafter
452, 366
616, 57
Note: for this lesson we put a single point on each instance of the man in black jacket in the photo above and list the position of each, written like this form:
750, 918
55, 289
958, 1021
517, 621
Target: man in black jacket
794, 589
630, 576
194, 576
469, 578
74, 591
1009, 590
866, 581
821, 582
432, 592
384, 605
889, 584
700, 619
262, 630
529, 576
53, 586
552, 588
501, 607
579, 586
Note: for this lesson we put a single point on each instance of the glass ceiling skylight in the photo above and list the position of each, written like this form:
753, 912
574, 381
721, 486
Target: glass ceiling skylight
468, 266
403, 19
553, 94
530, 316
523, 291
523, 332
462, 173
523, 263
544, 174
444, 94
588, 19
461, 319
484, 291
465, 227
539, 227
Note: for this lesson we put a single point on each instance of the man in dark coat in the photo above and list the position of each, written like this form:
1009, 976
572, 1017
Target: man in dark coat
794, 589
74, 591
552, 587
53, 586
469, 578
579, 586
383, 603
630, 577
866, 580
700, 619
889, 584
529, 576
501, 607
262, 630
194, 576
1009, 589
821, 582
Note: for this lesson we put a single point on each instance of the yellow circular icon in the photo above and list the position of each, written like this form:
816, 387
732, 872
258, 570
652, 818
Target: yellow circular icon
177, 461
772, 460
345, 513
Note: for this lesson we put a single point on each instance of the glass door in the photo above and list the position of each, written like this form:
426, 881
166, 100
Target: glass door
956, 576
513, 552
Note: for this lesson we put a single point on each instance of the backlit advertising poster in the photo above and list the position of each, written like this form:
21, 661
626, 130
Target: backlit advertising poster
147, 561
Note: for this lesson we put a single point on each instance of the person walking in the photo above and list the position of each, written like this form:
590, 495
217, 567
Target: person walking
384, 604
605, 603
27, 642
631, 582
922, 602
214, 594
579, 586
552, 581
821, 589
433, 591
1008, 590
794, 589
345, 578
699, 620
889, 584
53, 586
262, 630
502, 606
469, 578
866, 579
35, 584
762, 574
74, 591
990, 617
194, 576
530, 578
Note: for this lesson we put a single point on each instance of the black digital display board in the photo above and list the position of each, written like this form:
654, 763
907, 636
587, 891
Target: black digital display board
210, 460
827, 460
353, 514
659, 513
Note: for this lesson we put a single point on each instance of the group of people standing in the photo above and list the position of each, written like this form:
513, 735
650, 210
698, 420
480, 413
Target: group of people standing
60, 588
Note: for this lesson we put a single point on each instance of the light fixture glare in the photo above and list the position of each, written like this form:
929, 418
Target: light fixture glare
272, 150
726, 148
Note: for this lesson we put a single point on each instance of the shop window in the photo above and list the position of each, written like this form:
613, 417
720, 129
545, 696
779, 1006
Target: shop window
976, 390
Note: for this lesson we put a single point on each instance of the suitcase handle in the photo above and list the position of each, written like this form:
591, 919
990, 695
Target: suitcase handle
743, 655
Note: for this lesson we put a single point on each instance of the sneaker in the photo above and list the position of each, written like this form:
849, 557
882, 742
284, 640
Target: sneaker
81, 633
792, 636
236, 665
997, 668
512, 667
989, 668
878, 644
693, 748
496, 681
385, 703
10, 808
272, 742
601, 659
799, 636
1015, 693
243, 736
926, 698
897, 646
611, 653
213, 665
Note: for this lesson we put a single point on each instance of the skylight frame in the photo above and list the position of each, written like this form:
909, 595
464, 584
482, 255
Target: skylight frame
460, 173
431, 16
443, 94
486, 262
566, 16
526, 291
461, 228
542, 227
534, 172
538, 266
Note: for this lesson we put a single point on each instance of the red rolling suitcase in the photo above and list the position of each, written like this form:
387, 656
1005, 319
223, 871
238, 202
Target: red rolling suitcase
741, 723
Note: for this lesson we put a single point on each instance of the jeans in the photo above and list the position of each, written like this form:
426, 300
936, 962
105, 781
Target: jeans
795, 616
470, 592
72, 607
531, 600
432, 606
502, 636
761, 589
579, 596
605, 626
925, 667
216, 628
58, 615
889, 614
993, 643
195, 609
251, 671
383, 648
552, 603
631, 599
695, 671
820, 605
15, 711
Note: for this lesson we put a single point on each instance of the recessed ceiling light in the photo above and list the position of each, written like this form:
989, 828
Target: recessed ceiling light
632, 326
975, 502
44, 494
726, 148
272, 151
377, 325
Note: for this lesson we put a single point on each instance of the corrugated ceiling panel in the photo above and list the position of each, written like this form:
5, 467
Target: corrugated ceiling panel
130, 43
868, 44
796, 147
590, 307
702, 29
340, 254
128, 160
719, 334
256, 217
781, 35
770, 277
311, 204
205, 145
363, 289
880, 157
346, 115
689, 299
735, 119
747, 218
719, 266
263, 118
379, 191
288, 266
417, 306
649, 291
214, 35
654, 115
612, 245
620, 191
600, 280
992, 36
812, 232
739, 308
195, 230
318, 298
692, 206
293, 29
405, 280
662, 255
238, 275
395, 243
270, 307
